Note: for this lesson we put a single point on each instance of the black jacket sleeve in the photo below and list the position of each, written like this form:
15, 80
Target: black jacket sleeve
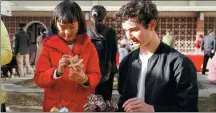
121, 77
121, 83
112, 35
186, 89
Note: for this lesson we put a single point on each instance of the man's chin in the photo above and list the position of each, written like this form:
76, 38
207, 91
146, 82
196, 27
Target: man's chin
135, 46
136, 43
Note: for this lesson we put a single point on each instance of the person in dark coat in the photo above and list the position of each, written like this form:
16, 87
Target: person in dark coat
209, 47
22, 49
107, 57
155, 77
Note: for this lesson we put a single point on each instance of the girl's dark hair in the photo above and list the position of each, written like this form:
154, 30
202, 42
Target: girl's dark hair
68, 12
98, 13
43, 30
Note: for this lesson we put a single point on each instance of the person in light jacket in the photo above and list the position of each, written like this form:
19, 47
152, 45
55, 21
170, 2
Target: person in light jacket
6, 56
169, 39
212, 70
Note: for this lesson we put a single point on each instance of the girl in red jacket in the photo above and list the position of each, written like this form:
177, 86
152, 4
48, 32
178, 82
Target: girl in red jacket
63, 87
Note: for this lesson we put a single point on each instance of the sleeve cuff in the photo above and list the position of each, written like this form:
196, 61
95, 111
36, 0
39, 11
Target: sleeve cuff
152, 109
86, 85
54, 75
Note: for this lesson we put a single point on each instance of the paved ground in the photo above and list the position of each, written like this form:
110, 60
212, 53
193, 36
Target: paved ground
10, 86
206, 87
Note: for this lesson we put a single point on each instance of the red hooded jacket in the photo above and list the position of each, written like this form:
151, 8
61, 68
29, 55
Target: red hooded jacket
58, 92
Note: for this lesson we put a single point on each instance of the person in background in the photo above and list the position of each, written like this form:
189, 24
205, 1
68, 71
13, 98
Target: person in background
22, 50
124, 48
49, 32
63, 83
107, 57
6, 56
39, 42
198, 42
126, 42
212, 70
169, 39
209, 47
155, 77
122, 52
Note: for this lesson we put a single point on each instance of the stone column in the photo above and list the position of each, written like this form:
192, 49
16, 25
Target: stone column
200, 24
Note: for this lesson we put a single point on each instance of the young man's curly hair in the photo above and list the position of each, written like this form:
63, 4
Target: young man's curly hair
144, 10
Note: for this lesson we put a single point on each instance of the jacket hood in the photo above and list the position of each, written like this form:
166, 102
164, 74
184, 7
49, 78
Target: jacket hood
82, 42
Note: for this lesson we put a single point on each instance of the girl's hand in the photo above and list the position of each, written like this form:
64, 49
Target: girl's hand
76, 72
76, 62
78, 75
63, 62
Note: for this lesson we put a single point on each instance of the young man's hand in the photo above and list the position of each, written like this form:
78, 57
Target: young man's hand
137, 105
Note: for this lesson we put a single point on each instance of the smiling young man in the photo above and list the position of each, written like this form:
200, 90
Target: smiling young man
154, 77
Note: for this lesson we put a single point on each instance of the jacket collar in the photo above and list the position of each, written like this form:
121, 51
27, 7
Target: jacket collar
20, 29
56, 42
158, 51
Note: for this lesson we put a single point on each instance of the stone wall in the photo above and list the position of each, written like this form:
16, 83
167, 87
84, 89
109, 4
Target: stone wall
184, 28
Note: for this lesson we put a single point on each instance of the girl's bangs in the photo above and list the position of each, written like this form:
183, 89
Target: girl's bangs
66, 18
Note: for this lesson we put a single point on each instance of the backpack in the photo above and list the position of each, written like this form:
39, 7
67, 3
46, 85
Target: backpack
100, 42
